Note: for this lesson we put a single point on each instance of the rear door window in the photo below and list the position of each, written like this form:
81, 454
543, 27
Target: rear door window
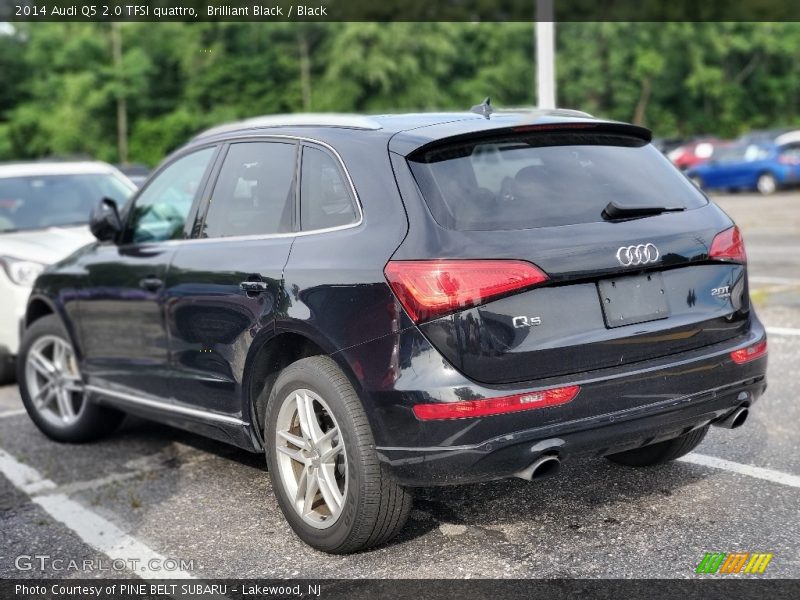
545, 180
254, 193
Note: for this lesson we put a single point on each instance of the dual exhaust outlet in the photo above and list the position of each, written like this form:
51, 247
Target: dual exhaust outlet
548, 465
734, 419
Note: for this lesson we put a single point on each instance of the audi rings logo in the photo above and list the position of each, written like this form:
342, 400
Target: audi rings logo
642, 254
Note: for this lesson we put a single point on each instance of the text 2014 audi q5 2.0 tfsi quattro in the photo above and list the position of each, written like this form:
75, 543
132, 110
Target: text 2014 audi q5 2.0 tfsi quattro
385, 302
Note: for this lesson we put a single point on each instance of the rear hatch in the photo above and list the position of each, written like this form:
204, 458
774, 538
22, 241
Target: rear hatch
625, 245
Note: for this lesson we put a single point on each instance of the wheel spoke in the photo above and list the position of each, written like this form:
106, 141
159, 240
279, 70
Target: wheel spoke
295, 440
313, 423
329, 456
293, 454
44, 396
330, 488
73, 384
60, 356
41, 364
302, 403
312, 487
65, 406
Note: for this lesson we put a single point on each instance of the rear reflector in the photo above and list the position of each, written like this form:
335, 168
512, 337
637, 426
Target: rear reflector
728, 245
496, 406
431, 288
753, 352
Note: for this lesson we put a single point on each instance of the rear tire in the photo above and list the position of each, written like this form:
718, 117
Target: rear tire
661, 452
52, 389
353, 504
766, 184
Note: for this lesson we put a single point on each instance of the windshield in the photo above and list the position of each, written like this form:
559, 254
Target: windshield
545, 180
42, 201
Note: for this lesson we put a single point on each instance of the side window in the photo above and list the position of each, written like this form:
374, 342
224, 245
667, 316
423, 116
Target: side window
325, 199
254, 192
161, 210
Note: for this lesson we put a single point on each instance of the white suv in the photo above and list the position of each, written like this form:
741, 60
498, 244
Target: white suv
44, 209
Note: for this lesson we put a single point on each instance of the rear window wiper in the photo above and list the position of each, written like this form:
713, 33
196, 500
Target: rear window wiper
615, 211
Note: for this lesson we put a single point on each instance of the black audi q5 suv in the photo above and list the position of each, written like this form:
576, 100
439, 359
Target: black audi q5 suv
379, 303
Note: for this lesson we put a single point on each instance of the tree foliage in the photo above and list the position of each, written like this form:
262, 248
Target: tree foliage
59, 87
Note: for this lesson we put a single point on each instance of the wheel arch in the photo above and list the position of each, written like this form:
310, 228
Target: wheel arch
38, 307
268, 357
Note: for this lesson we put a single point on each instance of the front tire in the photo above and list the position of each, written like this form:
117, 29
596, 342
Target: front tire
325, 473
661, 452
52, 389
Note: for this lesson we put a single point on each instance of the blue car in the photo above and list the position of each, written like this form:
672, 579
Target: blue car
763, 166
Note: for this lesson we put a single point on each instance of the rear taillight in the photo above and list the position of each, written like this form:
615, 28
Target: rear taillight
496, 406
728, 245
753, 352
431, 288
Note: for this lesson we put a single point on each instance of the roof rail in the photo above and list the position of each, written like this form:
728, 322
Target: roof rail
296, 120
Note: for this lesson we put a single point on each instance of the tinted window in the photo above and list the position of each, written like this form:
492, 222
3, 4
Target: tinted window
254, 191
55, 200
544, 180
161, 210
324, 197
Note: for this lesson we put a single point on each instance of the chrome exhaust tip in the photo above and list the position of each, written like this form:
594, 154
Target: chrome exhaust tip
543, 467
736, 419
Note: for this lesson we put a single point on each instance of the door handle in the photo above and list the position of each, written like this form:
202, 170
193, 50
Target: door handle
151, 284
254, 287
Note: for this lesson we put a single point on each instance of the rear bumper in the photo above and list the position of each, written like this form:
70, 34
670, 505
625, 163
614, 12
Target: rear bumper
507, 455
615, 410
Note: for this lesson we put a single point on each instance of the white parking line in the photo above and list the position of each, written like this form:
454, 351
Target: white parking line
783, 331
742, 469
93, 529
774, 280
12, 413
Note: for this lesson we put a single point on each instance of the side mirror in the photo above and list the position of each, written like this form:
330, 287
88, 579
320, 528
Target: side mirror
104, 222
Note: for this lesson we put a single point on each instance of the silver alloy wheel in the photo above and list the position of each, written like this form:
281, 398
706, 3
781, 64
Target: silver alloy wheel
766, 184
53, 380
311, 458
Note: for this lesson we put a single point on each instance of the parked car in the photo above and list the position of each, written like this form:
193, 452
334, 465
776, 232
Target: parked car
44, 211
693, 153
762, 166
136, 173
379, 303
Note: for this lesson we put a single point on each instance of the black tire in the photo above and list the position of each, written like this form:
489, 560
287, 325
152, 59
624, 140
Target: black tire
93, 420
375, 506
661, 452
7, 370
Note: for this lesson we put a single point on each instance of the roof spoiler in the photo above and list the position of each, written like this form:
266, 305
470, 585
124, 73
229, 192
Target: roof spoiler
576, 127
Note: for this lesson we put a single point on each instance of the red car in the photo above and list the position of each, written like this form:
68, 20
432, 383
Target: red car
693, 153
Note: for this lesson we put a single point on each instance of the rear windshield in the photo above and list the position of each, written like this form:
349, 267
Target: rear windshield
545, 180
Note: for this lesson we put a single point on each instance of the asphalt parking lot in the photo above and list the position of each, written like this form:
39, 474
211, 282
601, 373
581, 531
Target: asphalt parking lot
153, 491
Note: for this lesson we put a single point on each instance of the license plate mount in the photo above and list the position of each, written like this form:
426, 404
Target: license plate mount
633, 299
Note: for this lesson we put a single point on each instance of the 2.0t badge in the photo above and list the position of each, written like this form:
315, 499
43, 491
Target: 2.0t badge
640, 254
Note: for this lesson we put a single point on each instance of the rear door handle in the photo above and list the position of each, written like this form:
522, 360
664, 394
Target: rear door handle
254, 287
151, 284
